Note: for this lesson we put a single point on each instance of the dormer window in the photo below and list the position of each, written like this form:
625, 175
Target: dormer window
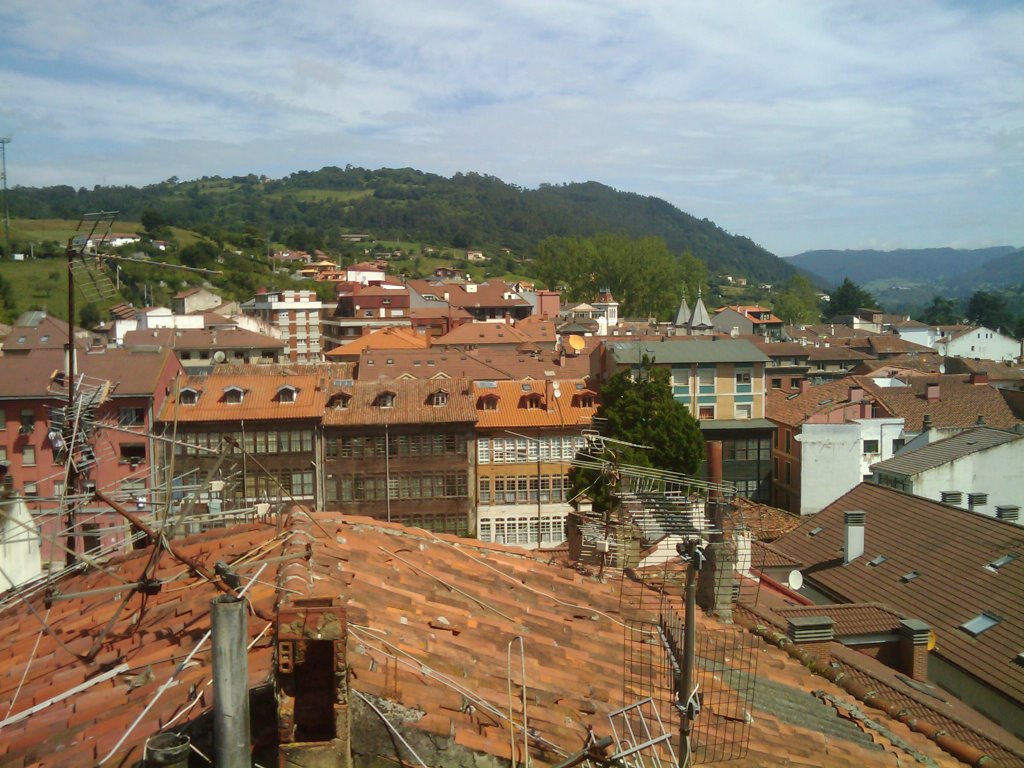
439, 398
531, 402
188, 396
233, 395
487, 403
339, 400
583, 400
385, 400
287, 394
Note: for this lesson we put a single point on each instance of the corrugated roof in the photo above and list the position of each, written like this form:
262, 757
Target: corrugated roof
944, 451
691, 350
949, 549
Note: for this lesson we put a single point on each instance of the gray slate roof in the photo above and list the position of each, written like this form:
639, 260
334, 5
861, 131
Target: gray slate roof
706, 350
944, 451
682, 314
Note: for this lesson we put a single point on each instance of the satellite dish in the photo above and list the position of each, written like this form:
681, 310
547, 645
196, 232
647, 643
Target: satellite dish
576, 342
795, 580
942, 367
219, 356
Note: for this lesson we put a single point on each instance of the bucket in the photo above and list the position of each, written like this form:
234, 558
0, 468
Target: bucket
167, 750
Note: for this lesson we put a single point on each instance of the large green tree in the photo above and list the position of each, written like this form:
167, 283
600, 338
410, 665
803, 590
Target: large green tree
849, 297
941, 311
638, 407
798, 302
643, 275
990, 310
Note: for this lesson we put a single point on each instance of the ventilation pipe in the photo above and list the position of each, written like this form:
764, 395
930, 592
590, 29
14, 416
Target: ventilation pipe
1009, 513
854, 538
230, 683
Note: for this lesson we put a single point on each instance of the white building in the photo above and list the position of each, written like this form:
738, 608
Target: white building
836, 457
981, 343
295, 316
977, 469
19, 545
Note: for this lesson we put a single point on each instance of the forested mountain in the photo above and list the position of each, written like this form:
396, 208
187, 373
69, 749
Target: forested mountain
314, 208
933, 264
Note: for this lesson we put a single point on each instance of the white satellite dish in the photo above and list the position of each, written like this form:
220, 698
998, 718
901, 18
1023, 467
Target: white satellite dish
942, 367
219, 356
795, 580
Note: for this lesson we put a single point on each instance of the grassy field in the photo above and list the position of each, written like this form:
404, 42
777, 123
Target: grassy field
56, 230
38, 284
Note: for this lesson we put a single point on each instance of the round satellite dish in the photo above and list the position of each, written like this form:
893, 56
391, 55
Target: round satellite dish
219, 356
795, 580
577, 342
942, 367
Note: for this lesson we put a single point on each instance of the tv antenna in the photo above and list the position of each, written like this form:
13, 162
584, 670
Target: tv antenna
4, 141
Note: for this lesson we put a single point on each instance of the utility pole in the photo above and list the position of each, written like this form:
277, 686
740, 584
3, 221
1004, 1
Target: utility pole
4, 141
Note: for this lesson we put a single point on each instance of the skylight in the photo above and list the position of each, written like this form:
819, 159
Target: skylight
878, 560
1001, 562
815, 531
980, 623
908, 577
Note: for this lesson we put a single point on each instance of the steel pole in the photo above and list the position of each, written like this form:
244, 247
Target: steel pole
231, 746
689, 651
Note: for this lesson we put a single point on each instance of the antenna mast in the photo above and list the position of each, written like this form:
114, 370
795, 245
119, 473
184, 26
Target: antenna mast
4, 141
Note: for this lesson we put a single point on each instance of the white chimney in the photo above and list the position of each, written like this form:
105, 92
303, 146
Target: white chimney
854, 539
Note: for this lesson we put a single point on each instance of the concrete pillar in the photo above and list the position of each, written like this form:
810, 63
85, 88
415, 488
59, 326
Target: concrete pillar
231, 746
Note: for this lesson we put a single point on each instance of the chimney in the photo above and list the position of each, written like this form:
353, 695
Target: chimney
714, 453
805, 386
812, 634
854, 535
981, 420
856, 394
914, 637
1010, 513
927, 423
932, 391
229, 617
979, 377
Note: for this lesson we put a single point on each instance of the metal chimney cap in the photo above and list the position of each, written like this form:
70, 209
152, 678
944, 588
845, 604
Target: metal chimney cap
854, 517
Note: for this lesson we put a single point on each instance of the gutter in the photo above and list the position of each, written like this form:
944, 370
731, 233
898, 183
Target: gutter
962, 751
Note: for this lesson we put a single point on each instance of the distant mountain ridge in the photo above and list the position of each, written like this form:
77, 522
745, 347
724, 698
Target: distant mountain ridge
465, 211
919, 264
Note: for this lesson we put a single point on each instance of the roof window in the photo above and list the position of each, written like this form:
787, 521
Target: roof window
233, 395
487, 403
980, 623
340, 400
906, 578
385, 400
1001, 562
439, 398
815, 531
878, 561
287, 394
188, 396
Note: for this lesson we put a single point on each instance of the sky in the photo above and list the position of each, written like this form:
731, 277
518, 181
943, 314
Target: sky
801, 125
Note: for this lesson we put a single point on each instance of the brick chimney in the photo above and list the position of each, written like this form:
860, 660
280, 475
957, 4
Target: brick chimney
914, 636
979, 377
856, 394
812, 634
932, 392
805, 386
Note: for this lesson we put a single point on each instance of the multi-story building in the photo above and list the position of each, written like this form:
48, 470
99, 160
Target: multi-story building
403, 451
254, 434
528, 432
295, 315
722, 383
120, 391
363, 309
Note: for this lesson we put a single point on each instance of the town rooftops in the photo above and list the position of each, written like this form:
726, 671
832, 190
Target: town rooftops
944, 451
481, 334
38, 330
135, 372
405, 401
429, 621
955, 401
526, 404
683, 351
441, 362
394, 337
757, 315
947, 566
228, 337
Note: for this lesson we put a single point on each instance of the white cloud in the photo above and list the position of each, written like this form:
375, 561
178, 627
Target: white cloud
807, 124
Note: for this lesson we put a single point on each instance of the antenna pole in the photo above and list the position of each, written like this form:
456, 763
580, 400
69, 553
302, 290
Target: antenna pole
688, 696
4, 141
70, 557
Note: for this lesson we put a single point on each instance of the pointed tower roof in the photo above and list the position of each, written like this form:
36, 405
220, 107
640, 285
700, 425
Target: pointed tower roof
700, 320
683, 315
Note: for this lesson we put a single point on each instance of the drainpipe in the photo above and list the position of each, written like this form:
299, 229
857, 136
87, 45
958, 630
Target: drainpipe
230, 683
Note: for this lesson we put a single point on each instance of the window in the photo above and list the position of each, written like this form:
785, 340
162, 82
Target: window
898, 443
340, 400
385, 400
28, 456
1002, 562
706, 412
487, 403
133, 453
287, 394
131, 417
30, 489
28, 421
870, 446
583, 401
815, 531
742, 378
789, 441
743, 410
906, 578
532, 402
3, 453
706, 379
877, 561
789, 473
980, 623
439, 398
776, 383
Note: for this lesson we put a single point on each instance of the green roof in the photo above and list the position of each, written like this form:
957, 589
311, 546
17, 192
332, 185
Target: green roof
688, 350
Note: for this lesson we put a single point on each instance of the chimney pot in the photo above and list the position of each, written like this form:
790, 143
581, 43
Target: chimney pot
914, 637
813, 633
854, 535
932, 391
1008, 512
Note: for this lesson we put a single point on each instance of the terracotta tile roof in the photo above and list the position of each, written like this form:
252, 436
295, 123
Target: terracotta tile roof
203, 338
410, 636
850, 618
762, 556
512, 404
489, 364
482, 334
776, 349
765, 522
37, 330
910, 364
753, 312
261, 401
361, 403
949, 549
888, 344
539, 328
455, 314
946, 450
959, 405
796, 408
135, 371
395, 337
836, 353
491, 293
